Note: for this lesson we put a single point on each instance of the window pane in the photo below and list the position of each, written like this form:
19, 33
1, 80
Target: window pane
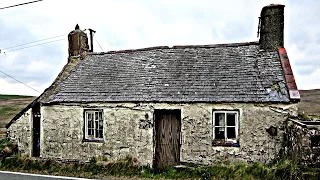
100, 133
94, 124
89, 116
219, 119
219, 133
231, 132
100, 115
90, 124
90, 132
231, 119
96, 134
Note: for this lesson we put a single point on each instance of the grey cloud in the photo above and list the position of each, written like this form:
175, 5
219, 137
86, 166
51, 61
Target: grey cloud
15, 34
147, 24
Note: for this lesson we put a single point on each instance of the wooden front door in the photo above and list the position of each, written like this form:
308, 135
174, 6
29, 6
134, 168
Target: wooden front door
167, 134
36, 116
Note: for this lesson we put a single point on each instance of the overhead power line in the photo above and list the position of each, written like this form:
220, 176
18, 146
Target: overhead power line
21, 4
15, 48
98, 42
20, 81
32, 42
35, 45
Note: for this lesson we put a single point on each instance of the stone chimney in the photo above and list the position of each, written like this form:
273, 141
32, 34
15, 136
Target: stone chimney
78, 43
271, 27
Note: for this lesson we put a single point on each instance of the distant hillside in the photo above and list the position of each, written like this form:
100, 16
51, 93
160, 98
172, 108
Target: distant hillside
310, 102
10, 105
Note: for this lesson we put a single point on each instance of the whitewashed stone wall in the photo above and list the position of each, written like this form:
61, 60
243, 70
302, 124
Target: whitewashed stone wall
20, 133
128, 130
62, 133
255, 143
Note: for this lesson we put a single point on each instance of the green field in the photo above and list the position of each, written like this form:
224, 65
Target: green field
310, 102
10, 105
7, 96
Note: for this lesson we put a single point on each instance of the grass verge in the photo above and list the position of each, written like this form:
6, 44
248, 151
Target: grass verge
127, 167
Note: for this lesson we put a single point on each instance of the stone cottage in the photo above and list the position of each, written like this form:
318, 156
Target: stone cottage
166, 105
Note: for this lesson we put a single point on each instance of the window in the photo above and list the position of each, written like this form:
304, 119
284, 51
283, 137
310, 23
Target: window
93, 128
315, 141
225, 128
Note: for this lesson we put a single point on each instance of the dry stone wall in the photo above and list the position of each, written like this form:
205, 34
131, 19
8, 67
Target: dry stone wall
298, 146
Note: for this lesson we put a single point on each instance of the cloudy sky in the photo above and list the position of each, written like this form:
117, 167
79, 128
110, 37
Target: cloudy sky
128, 24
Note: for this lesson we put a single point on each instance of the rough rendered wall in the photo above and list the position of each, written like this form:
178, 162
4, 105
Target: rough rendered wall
20, 132
128, 130
255, 143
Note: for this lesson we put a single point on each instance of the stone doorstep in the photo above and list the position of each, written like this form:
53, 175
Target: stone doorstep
180, 167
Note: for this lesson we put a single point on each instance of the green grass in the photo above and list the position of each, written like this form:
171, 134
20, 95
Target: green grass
126, 167
7, 96
6, 110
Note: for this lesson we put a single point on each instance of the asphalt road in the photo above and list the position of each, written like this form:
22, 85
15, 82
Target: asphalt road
5, 175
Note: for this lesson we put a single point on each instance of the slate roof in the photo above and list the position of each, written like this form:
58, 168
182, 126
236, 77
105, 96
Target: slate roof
238, 72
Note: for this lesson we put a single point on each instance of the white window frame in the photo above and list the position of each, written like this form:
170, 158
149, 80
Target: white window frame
86, 124
225, 112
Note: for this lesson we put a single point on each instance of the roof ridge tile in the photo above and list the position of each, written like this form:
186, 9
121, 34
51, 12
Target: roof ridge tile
176, 47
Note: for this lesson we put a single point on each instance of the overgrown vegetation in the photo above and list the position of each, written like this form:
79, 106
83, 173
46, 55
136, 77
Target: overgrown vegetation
129, 167
3, 143
7, 148
102, 167
308, 117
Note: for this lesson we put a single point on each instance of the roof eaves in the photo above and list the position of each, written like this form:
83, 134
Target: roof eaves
162, 101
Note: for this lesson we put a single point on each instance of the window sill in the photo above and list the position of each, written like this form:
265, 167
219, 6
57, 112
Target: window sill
93, 140
225, 144
228, 149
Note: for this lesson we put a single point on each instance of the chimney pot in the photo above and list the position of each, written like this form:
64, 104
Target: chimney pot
271, 27
78, 42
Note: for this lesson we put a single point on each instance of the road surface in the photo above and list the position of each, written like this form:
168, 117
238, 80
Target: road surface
7, 175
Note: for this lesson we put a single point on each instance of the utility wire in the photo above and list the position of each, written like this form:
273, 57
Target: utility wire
21, 4
35, 45
98, 43
19, 81
33, 42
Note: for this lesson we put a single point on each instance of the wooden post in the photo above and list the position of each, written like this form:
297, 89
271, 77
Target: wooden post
91, 39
